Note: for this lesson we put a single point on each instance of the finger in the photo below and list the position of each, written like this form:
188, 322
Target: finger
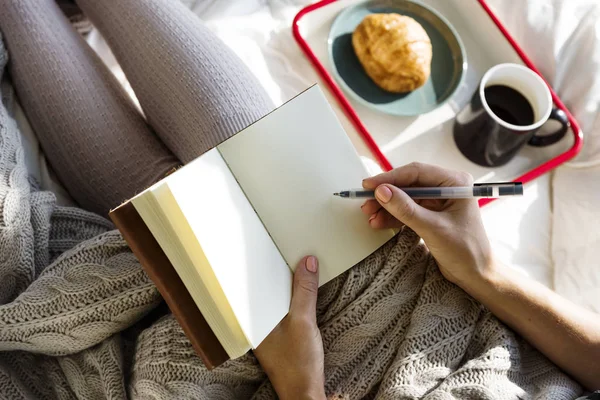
402, 207
304, 290
432, 204
417, 174
384, 220
370, 207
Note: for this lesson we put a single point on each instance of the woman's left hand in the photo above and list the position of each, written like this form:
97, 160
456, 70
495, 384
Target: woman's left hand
292, 355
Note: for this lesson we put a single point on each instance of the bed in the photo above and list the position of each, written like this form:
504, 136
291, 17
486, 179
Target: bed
552, 233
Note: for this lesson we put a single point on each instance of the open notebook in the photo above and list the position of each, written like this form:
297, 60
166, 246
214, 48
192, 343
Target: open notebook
234, 223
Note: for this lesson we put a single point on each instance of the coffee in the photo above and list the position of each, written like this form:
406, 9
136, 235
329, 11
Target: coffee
509, 105
500, 120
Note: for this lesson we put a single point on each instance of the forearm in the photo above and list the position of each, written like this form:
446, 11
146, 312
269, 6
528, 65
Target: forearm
566, 333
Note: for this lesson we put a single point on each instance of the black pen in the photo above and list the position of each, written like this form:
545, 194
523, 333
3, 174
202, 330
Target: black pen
446, 192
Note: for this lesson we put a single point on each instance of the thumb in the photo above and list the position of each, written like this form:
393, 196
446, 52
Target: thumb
403, 208
304, 290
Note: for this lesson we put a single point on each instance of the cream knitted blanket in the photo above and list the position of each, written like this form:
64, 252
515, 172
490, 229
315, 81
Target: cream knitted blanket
73, 300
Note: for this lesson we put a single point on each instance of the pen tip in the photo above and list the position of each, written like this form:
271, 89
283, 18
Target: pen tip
336, 194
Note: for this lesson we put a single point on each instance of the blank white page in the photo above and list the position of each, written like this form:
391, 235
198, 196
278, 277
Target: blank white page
252, 273
289, 164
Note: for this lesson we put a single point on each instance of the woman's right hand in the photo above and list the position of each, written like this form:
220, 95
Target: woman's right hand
566, 333
452, 229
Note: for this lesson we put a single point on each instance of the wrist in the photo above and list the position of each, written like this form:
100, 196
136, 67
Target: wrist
293, 387
302, 394
492, 288
485, 278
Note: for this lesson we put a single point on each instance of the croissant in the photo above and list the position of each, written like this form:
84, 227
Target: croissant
394, 50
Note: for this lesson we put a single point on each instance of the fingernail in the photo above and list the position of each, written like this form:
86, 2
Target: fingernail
372, 217
383, 194
312, 264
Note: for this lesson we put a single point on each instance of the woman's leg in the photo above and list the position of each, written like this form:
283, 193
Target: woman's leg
98, 143
194, 91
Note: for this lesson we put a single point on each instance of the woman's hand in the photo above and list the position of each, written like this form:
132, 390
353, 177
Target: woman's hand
452, 229
292, 355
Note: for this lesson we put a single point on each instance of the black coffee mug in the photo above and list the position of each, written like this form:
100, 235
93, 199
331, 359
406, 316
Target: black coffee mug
510, 106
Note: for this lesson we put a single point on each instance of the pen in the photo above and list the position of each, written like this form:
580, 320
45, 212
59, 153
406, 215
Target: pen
443, 192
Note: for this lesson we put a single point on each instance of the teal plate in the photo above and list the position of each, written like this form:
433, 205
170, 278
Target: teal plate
448, 64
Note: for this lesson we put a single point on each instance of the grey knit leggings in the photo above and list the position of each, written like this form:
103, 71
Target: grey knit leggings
193, 90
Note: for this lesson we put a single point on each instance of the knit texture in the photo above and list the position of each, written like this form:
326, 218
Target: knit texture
194, 90
94, 137
392, 326
76, 318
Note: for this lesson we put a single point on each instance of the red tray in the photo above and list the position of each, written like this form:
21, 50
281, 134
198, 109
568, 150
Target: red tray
527, 174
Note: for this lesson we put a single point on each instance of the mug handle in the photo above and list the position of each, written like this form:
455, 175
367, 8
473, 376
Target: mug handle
558, 115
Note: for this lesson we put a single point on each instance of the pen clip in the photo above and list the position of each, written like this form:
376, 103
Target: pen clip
498, 189
498, 184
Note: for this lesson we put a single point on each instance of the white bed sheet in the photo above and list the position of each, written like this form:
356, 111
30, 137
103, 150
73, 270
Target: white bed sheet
562, 37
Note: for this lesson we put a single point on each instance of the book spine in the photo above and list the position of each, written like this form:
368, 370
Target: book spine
167, 281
